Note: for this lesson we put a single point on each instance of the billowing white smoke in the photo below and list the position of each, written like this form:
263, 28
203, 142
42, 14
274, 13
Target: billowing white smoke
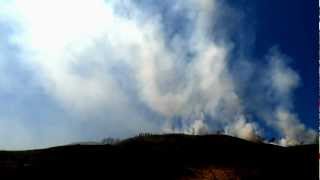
293, 131
245, 130
93, 55
283, 81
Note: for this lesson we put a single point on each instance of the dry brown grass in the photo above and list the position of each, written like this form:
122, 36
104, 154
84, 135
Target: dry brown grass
213, 173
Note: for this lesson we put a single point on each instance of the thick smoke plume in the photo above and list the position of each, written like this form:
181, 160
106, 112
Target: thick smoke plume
142, 71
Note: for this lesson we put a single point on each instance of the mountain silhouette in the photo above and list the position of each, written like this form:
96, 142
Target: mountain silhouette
171, 156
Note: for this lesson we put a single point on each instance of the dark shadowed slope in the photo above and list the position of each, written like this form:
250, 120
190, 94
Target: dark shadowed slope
166, 157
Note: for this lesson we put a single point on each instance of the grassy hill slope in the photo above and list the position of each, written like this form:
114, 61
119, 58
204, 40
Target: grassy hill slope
174, 156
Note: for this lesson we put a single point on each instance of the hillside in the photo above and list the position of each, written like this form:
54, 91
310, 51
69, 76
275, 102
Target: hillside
166, 157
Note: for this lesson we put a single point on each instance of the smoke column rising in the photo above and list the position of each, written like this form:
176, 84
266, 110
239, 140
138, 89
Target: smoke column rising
116, 59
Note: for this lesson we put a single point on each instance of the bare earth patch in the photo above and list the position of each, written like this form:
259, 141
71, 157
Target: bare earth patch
218, 173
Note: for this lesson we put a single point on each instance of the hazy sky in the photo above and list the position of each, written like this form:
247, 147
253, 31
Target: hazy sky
79, 70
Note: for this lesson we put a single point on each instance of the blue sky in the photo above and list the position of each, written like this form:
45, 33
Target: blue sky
297, 36
295, 32
84, 70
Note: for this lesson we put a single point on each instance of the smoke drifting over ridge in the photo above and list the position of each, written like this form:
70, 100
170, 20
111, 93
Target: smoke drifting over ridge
118, 60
